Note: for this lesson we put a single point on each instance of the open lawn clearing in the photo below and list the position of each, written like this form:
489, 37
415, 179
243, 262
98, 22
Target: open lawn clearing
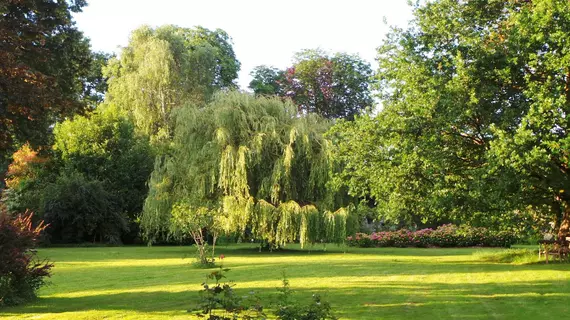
386, 283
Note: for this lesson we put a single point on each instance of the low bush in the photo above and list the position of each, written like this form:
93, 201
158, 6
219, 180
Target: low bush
219, 301
444, 236
288, 309
80, 210
21, 273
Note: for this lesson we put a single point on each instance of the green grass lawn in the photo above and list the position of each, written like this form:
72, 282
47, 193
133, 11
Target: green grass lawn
160, 283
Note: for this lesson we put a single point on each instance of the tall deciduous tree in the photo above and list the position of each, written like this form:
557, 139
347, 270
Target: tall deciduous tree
466, 83
163, 68
267, 81
333, 86
105, 147
95, 83
536, 155
44, 60
249, 162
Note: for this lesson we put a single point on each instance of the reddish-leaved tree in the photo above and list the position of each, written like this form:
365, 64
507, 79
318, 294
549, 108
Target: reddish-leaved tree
21, 272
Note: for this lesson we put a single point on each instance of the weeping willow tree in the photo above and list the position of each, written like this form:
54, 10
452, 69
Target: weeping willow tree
257, 165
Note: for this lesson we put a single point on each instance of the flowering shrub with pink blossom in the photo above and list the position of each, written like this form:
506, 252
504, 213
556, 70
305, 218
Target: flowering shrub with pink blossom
448, 235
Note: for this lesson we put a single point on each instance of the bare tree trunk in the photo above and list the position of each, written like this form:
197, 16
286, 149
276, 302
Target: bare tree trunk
558, 212
215, 237
199, 240
564, 230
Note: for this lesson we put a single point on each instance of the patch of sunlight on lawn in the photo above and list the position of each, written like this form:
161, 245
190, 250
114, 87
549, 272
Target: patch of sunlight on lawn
160, 283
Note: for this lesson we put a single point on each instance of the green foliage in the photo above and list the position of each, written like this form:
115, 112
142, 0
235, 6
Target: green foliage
267, 81
288, 309
81, 210
161, 69
95, 83
534, 156
187, 220
252, 161
92, 186
218, 296
105, 147
333, 86
472, 125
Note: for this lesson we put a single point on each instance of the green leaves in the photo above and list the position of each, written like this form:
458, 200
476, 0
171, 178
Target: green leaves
473, 104
164, 68
333, 86
105, 147
252, 161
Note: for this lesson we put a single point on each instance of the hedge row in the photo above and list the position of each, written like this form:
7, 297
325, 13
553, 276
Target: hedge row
444, 236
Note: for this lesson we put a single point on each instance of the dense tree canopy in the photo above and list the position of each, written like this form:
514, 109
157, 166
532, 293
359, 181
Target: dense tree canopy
105, 147
95, 83
537, 153
92, 186
44, 62
81, 210
267, 81
333, 86
472, 129
163, 68
254, 163
474, 97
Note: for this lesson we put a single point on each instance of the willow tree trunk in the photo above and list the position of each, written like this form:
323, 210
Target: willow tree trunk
200, 243
564, 230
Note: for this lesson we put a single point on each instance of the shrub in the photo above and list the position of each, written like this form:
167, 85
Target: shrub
80, 210
444, 236
447, 236
21, 273
219, 301
422, 238
362, 240
25, 178
287, 309
105, 147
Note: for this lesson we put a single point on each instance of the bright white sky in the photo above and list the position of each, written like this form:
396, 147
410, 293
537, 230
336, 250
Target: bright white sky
265, 32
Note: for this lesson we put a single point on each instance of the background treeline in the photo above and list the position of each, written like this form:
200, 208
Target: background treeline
470, 128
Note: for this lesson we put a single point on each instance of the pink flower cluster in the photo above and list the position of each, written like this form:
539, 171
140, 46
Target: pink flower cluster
444, 236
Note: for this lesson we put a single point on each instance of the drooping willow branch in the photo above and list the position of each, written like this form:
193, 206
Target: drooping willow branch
251, 162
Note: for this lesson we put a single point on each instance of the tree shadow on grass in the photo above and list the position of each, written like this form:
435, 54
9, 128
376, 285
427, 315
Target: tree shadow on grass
160, 252
332, 249
125, 277
355, 296
387, 300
